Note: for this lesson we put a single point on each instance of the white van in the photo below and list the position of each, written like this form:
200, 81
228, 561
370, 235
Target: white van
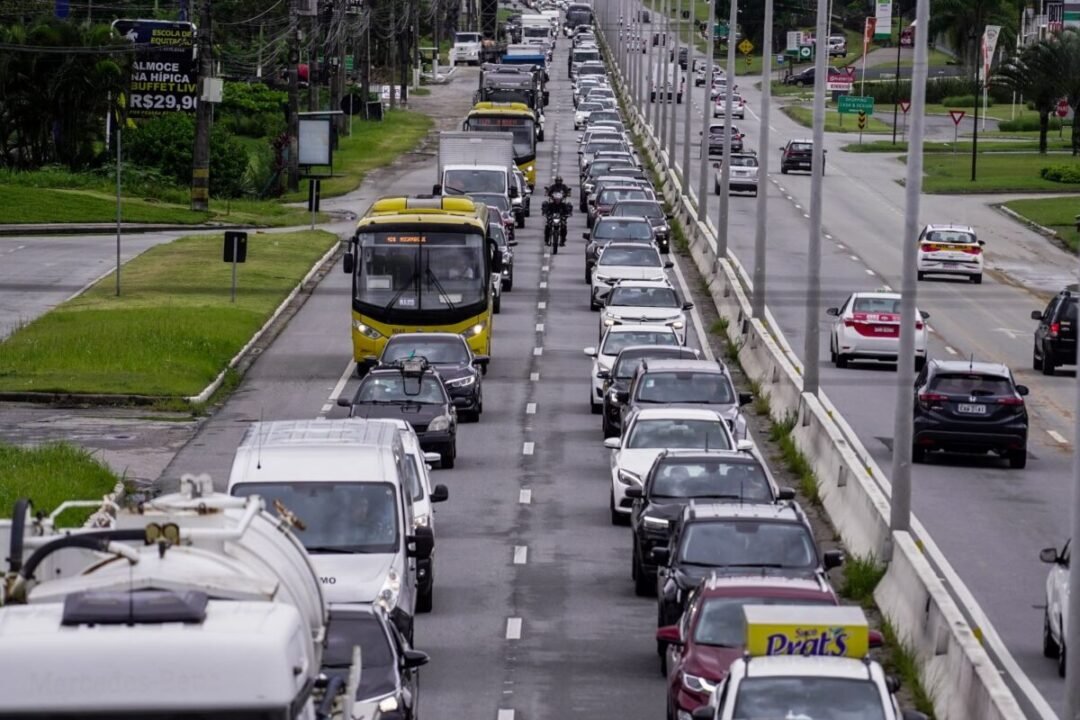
344, 481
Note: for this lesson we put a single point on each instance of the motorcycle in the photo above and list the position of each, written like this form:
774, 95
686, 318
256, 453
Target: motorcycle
556, 210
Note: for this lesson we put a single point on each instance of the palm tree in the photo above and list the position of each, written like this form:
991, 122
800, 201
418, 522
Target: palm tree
956, 17
1036, 73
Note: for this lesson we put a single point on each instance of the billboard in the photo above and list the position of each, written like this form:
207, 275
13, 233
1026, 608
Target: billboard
883, 16
164, 73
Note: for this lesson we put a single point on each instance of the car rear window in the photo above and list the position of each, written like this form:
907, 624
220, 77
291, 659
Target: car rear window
971, 384
876, 305
802, 147
950, 237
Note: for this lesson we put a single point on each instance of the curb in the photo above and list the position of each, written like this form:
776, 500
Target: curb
107, 228
1041, 229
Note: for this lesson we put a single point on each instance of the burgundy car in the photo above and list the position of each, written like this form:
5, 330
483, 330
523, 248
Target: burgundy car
710, 634
498, 204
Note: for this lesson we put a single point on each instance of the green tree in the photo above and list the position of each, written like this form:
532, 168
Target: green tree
960, 19
1036, 73
1067, 47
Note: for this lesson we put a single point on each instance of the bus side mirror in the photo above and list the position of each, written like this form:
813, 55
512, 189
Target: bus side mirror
436, 189
348, 263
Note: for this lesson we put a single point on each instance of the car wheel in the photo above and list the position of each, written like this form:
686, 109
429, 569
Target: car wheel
1048, 364
1018, 459
920, 275
615, 519
920, 363
496, 306
977, 279
642, 585
593, 306
470, 415
799, 83
1036, 361
832, 351
520, 221
918, 454
425, 600
594, 407
447, 457
841, 360
661, 650
1061, 662
605, 427
1050, 646
783, 169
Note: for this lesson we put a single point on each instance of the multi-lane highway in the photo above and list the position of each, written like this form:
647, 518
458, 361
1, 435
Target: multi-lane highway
989, 520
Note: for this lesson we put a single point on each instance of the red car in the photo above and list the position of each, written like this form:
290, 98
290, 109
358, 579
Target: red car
710, 634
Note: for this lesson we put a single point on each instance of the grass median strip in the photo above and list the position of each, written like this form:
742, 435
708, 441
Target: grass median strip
1057, 214
805, 117
172, 330
995, 173
49, 475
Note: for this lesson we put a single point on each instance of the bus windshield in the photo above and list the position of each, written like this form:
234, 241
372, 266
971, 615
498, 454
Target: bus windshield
500, 94
523, 128
421, 271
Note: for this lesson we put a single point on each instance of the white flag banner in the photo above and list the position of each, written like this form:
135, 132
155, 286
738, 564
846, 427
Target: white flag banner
989, 45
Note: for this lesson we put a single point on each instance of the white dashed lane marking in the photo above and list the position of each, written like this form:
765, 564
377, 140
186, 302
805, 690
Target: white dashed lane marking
527, 448
1058, 437
521, 555
525, 497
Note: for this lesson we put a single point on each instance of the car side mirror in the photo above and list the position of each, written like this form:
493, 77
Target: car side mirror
745, 398
688, 306
1022, 390
785, 493
413, 659
875, 639
612, 443
590, 351
436, 189
603, 375
348, 263
586, 235
669, 634
439, 494
781, 148
832, 559
913, 715
1049, 556
744, 446
924, 315
668, 265
512, 242
892, 684
834, 312
432, 457
481, 360
661, 555
1035, 314
703, 712
634, 492
421, 543
344, 402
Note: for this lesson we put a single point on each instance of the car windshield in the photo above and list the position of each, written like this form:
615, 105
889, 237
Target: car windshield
680, 434
599, 115
460, 182
810, 696
496, 200
638, 209
658, 297
629, 361
639, 256
589, 107
611, 124
604, 143
744, 161
338, 517
620, 230
397, 388
450, 350
949, 237
410, 271
720, 478
591, 70
347, 630
616, 341
712, 388
971, 384
604, 166
747, 542
610, 197
721, 621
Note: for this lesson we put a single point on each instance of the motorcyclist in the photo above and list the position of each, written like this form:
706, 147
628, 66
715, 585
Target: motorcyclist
549, 204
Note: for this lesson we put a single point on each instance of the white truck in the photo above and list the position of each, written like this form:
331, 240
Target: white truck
466, 48
480, 162
191, 605
535, 28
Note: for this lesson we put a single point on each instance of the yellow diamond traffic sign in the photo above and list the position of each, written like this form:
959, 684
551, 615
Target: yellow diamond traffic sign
746, 47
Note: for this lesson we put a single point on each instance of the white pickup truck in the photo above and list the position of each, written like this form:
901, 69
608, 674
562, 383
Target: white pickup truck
466, 48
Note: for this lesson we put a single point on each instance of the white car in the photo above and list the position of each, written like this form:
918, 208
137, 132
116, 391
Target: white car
744, 174
581, 115
624, 261
867, 327
650, 432
649, 302
1056, 619
738, 105
615, 339
950, 250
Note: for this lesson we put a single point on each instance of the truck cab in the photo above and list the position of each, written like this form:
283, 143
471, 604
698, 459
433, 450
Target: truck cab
466, 48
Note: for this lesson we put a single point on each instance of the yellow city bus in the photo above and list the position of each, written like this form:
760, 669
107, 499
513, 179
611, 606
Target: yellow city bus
421, 264
513, 117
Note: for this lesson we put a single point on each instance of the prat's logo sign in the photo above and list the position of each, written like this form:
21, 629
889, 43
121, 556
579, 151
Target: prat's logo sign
808, 642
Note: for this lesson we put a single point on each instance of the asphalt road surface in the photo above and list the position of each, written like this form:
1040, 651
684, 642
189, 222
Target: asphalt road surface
990, 521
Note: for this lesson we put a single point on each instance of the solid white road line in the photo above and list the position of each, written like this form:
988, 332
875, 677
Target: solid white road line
530, 409
513, 628
695, 316
349, 369
521, 554
525, 497
527, 448
505, 714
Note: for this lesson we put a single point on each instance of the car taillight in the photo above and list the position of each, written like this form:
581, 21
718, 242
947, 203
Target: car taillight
929, 248
918, 325
1010, 401
1055, 328
929, 399
848, 322
976, 250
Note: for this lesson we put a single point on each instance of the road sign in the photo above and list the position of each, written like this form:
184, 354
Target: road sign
164, 74
850, 70
905, 105
804, 52
838, 85
957, 116
852, 104
746, 47
862, 120
1062, 108
794, 40
779, 59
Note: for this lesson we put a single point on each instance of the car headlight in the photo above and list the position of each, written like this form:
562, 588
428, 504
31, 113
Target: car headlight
628, 478
654, 522
421, 521
609, 321
474, 330
390, 592
461, 382
613, 396
366, 330
389, 704
677, 324
697, 684
663, 229
600, 278
440, 423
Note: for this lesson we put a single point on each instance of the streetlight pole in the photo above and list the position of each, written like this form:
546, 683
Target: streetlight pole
650, 83
900, 502
725, 161
896, 78
688, 102
757, 301
812, 349
671, 144
661, 80
706, 114
975, 128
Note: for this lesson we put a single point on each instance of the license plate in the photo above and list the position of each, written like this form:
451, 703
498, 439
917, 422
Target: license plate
883, 329
969, 409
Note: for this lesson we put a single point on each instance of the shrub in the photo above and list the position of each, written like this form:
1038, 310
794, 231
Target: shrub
1029, 123
964, 101
1069, 174
252, 110
165, 144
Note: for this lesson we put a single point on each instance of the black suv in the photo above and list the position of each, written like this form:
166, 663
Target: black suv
451, 356
1055, 337
806, 77
617, 380
773, 539
967, 406
799, 155
412, 390
679, 476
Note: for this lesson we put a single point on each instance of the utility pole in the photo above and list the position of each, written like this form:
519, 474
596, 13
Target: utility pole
200, 165
812, 347
650, 77
687, 102
675, 76
900, 502
706, 115
313, 65
725, 167
896, 81
757, 300
337, 74
662, 82
293, 181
